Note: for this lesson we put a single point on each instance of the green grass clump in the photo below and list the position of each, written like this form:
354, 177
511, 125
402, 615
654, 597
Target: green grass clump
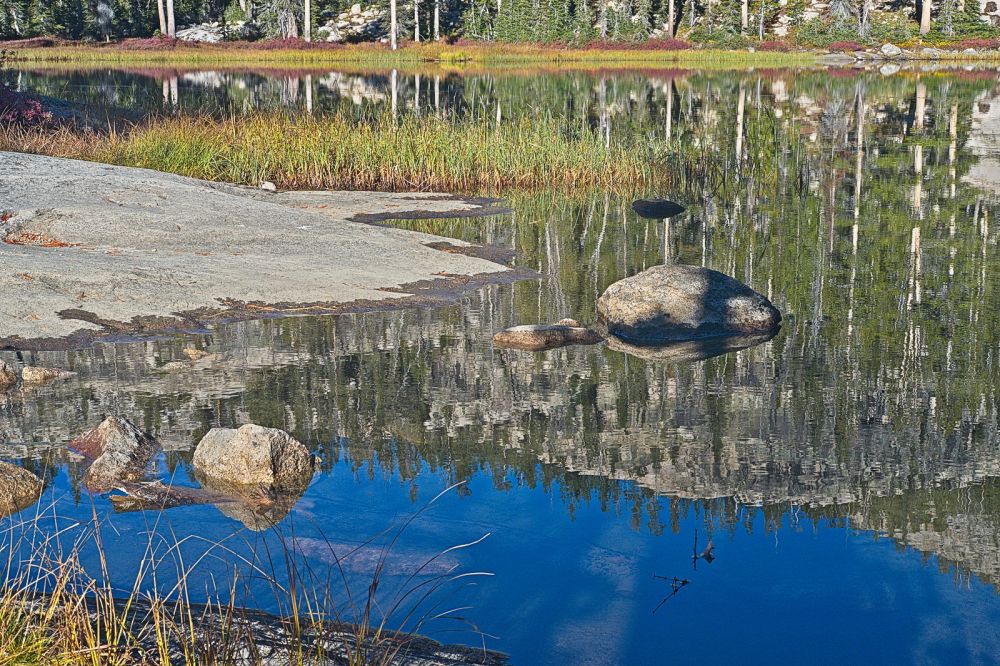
426, 153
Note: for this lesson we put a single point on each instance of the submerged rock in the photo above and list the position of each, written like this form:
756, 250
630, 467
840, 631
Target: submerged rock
676, 302
19, 488
657, 209
253, 455
539, 337
120, 452
35, 375
8, 377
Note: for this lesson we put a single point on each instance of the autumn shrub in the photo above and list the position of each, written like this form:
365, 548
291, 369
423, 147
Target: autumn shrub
775, 45
845, 46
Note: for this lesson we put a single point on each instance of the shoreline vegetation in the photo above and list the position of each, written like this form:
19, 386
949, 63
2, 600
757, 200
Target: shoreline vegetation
383, 152
57, 609
464, 54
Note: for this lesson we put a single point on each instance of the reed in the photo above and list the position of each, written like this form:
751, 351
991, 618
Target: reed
380, 152
54, 609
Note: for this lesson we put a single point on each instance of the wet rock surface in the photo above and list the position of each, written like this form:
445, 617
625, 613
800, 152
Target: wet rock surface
671, 303
19, 488
134, 250
120, 451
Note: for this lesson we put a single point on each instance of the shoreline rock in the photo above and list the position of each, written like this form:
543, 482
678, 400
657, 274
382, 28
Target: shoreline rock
120, 451
8, 376
19, 488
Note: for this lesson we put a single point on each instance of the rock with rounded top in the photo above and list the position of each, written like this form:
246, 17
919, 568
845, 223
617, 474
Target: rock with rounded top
253, 455
8, 377
35, 375
19, 488
677, 302
891, 51
120, 451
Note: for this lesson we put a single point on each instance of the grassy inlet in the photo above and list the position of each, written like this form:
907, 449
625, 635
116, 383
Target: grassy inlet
379, 153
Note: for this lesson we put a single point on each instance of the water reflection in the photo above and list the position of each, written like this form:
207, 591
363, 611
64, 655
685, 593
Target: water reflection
859, 204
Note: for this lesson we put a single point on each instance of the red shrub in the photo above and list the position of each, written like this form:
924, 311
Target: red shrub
840, 47
148, 44
978, 44
20, 109
783, 47
666, 44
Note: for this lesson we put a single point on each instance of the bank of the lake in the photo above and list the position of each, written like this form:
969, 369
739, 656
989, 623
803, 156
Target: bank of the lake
290, 52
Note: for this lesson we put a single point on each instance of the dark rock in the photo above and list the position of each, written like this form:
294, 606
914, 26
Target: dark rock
657, 209
253, 455
19, 488
120, 451
675, 302
539, 337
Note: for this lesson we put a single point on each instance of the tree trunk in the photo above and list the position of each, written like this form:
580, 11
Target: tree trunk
307, 21
437, 20
604, 19
392, 25
670, 18
171, 23
163, 17
416, 21
744, 15
925, 17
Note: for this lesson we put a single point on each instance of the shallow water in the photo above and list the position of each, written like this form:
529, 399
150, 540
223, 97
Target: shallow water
846, 471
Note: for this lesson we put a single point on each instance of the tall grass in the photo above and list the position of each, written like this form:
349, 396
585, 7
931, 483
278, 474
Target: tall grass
381, 153
56, 610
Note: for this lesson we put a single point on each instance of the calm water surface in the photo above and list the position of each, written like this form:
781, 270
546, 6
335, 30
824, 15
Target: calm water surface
847, 471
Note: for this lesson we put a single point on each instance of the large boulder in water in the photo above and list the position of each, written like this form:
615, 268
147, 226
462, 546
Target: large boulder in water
120, 452
253, 455
676, 302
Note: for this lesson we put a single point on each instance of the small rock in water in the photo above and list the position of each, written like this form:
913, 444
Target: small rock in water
254, 455
8, 377
19, 488
539, 337
677, 302
657, 209
194, 354
268, 186
33, 375
120, 452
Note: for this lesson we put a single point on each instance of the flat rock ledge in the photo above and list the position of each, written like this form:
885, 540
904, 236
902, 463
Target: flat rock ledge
94, 250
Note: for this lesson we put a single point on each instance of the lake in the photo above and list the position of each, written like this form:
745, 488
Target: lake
846, 472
